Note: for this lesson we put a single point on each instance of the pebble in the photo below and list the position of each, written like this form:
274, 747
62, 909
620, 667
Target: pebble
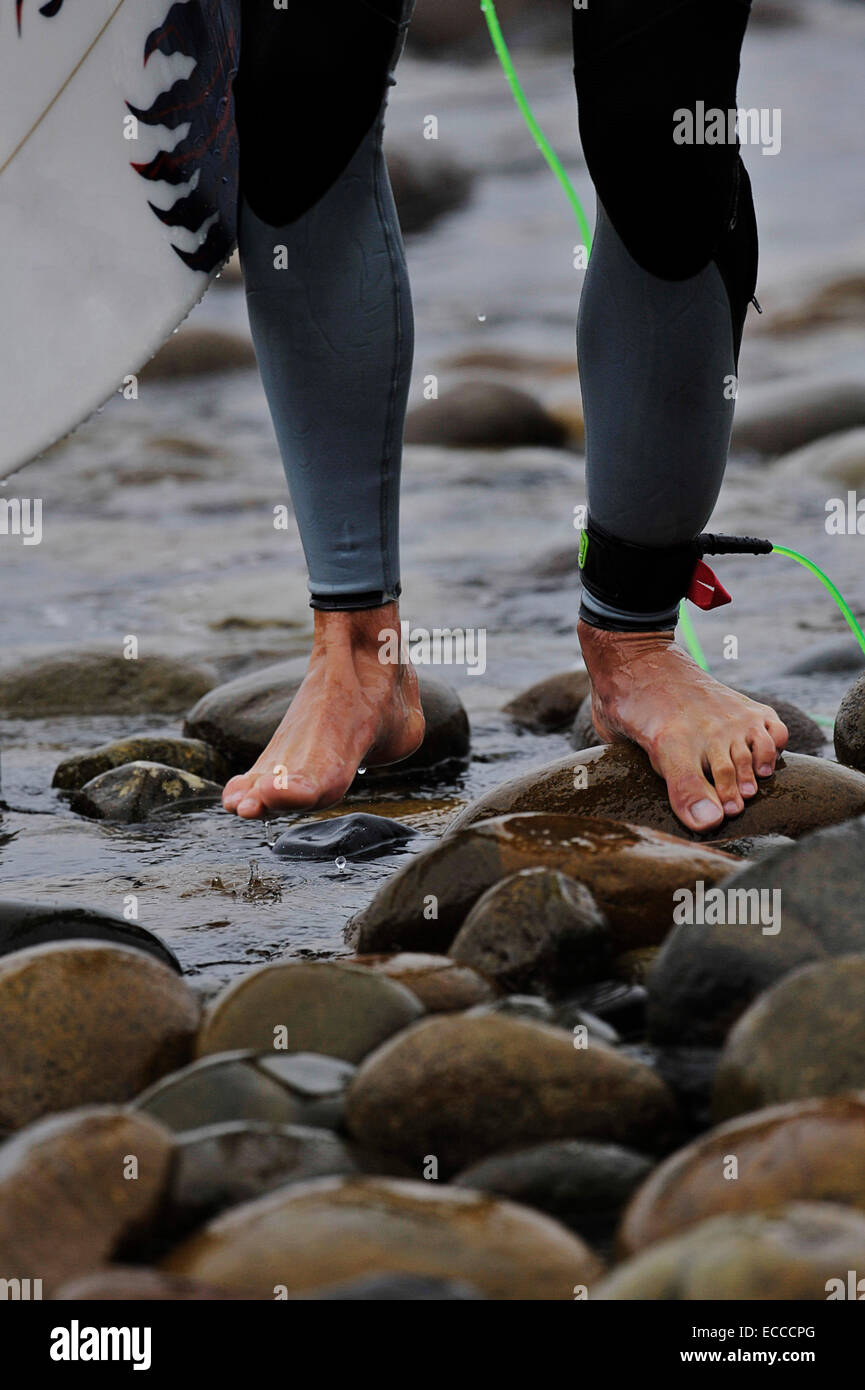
351, 836
338, 1229
459, 1087
187, 754
631, 871
618, 781
83, 1023
803, 1037
551, 704
66, 1200
138, 791
442, 985
808, 1150
787, 1255
38, 924
332, 1007
484, 415
535, 928
100, 683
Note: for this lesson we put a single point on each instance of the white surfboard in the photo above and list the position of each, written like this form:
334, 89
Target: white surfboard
118, 180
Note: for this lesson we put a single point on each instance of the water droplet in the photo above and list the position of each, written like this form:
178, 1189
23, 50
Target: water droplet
340, 863
361, 771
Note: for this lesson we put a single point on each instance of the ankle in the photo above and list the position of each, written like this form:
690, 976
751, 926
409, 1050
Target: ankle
364, 632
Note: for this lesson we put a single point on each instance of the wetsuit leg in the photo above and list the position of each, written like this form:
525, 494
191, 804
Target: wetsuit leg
671, 274
326, 281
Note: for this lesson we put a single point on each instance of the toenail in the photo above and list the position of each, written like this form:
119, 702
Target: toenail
748, 789
765, 771
704, 812
731, 808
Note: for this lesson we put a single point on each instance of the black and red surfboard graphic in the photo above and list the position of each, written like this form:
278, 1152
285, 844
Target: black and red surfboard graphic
206, 158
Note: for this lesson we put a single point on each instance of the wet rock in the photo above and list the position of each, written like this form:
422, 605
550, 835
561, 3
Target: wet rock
37, 924
583, 1184
338, 1229
619, 1003
99, 683
426, 189
809, 1150
84, 1023
137, 791
392, 1288
774, 417
551, 704
239, 719
536, 928
631, 872
618, 781
136, 1284
837, 458
299, 1088
707, 974
850, 727
188, 754
459, 1087
197, 351
442, 985
528, 1006
633, 966
66, 1201
754, 847
224, 1165
838, 656
351, 836
804, 1037
297, 1006
788, 1255
483, 415
806, 736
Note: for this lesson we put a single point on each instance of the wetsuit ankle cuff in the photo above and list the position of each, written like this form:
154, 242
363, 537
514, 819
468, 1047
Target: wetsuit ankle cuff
354, 603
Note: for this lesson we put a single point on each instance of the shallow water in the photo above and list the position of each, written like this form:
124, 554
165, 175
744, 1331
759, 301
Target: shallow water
158, 513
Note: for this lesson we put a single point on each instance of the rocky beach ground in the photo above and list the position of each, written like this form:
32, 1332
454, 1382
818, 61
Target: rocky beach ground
491, 1029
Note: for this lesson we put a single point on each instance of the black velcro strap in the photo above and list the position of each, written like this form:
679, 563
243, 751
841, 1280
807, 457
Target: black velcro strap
635, 578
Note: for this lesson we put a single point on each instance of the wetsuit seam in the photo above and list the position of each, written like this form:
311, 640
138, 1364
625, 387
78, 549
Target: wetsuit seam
385, 478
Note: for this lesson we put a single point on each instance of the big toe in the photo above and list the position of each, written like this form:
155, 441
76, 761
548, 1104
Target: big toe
693, 799
236, 789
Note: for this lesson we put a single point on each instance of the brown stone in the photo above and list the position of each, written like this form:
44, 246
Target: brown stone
188, 754
66, 1198
332, 1007
137, 1284
83, 1023
442, 985
100, 682
537, 929
551, 704
334, 1230
809, 1150
787, 1255
803, 1037
631, 871
804, 794
460, 1087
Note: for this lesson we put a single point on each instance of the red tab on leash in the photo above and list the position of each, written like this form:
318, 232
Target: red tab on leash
706, 589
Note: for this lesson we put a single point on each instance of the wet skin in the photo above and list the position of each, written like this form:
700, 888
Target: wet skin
351, 711
709, 743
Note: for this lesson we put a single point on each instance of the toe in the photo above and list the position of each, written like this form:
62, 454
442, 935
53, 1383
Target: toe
236, 789
726, 781
743, 761
693, 799
763, 751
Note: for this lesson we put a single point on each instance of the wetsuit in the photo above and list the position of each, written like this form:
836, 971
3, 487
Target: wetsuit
671, 273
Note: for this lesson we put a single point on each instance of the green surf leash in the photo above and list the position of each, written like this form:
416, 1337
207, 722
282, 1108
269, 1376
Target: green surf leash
688, 631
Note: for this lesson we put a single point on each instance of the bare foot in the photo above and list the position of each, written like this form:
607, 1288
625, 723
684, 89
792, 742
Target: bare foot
351, 711
710, 744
